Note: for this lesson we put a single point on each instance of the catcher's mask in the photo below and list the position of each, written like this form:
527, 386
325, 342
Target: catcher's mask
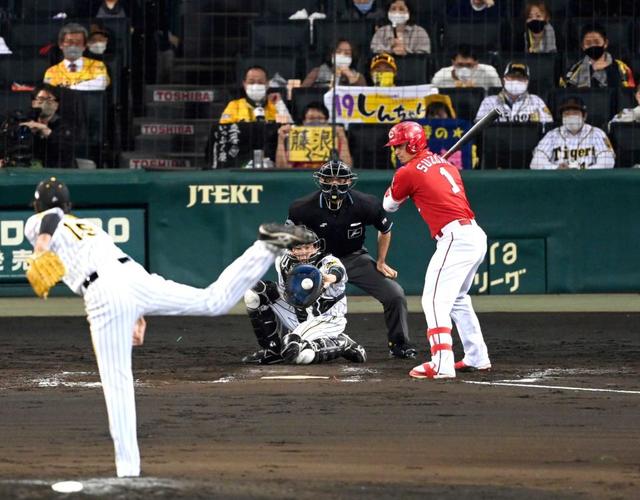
308, 253
51, 193
335, 179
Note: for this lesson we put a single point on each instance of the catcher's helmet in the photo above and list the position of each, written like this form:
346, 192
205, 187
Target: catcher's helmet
335, 178
51, 193
410, 133
308, 253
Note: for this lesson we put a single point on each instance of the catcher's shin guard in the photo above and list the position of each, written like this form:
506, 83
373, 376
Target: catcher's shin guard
351, 350
291, 347
265, 327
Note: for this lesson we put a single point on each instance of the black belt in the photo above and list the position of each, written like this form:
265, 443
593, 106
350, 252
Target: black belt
94, 275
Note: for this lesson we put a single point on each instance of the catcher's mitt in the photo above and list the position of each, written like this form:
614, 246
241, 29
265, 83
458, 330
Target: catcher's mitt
295, 293
45, 270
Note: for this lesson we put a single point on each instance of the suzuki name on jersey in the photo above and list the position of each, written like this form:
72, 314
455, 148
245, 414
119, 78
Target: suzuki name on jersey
224, 194
429, 161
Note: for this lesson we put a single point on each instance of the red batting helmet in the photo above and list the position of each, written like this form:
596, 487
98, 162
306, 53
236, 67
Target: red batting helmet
410, 132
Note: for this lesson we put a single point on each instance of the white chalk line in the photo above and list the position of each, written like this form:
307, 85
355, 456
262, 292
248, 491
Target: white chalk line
111, 486
540, 386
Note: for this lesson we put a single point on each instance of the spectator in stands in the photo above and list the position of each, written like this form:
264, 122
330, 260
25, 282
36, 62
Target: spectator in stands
383, 70
439, 107
361, 10
98, 43
111, 8
339, 63
401, 36
258, 104
630, 114
466, 71
75, 71
52, 136
575, 144
514, 101
597, 68
539, 35
472, 10
314, 114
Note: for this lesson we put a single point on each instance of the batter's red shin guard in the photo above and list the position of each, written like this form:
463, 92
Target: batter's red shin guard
441, 364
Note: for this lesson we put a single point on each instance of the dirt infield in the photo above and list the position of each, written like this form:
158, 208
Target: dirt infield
558, 417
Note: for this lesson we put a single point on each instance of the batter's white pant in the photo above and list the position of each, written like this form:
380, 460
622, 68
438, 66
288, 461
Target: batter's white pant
459, 253
124, 292
316, 327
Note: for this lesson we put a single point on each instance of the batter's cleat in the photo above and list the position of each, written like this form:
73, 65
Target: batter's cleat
285, 236
425, 370
402, 351
352, 351
263, 357
462, 367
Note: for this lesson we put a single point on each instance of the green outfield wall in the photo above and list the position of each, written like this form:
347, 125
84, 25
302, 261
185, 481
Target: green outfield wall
549, 232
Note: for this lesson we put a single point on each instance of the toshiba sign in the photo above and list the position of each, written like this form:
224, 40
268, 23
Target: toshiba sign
167, 129
183, 95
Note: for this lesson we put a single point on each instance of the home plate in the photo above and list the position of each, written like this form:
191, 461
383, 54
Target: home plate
67, 487
294, 377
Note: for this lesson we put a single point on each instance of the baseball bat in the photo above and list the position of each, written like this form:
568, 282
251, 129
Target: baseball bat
484, 122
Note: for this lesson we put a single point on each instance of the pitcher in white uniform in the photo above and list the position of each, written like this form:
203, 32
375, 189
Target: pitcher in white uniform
118, 292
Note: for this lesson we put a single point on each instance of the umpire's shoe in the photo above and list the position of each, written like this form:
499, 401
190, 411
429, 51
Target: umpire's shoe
263, 357
402, 351
285, 236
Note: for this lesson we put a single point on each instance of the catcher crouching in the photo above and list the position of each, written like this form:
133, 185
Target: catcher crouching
301, 319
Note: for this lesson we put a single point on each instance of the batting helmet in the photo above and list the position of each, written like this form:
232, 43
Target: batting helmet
335, 178
410, 133
51, 193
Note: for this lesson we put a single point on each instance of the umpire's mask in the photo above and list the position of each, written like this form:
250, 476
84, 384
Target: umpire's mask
335, 179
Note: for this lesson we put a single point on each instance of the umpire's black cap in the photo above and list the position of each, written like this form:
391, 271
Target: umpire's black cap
572, 102
51, 193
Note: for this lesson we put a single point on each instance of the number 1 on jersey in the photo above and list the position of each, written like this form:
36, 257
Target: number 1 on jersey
454, 187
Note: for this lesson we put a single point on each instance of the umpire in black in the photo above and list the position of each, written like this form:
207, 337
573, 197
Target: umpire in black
339, 215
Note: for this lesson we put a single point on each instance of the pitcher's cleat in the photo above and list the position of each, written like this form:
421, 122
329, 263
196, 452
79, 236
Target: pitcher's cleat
462, 367
425, 370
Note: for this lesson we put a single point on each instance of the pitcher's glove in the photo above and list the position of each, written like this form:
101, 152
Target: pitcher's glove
45, 270
300, 294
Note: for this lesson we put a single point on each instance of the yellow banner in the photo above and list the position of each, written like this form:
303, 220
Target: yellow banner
307, 144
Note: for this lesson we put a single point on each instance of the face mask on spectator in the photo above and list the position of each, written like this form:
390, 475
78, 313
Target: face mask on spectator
464, 73
72, 52
256, 91
595, 51
515, 87
536, 25
46, 109
341, 60
398, 18
573, 123
97, 47
364, 7
383, 78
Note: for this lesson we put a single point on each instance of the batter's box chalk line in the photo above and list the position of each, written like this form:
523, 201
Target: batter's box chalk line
105, 487
558, 373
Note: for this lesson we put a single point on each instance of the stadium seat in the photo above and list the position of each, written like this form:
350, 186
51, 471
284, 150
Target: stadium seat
466, 101
625, 99
26, 70
626, 141
11, 102
46, 9
483, 37
600, 103
279, 38
300, 97
225, 6
282, 9
366, 142
414, 69
509, 145
285, 66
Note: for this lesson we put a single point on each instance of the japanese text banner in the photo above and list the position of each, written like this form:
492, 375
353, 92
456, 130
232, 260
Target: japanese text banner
310, 143
378, 104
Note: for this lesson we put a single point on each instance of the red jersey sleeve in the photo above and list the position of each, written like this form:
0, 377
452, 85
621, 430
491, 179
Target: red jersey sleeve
401, 185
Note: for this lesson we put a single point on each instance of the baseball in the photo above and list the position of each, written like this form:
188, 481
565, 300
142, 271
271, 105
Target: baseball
307, 283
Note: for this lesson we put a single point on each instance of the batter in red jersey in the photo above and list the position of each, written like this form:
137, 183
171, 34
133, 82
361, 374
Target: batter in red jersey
436, 188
